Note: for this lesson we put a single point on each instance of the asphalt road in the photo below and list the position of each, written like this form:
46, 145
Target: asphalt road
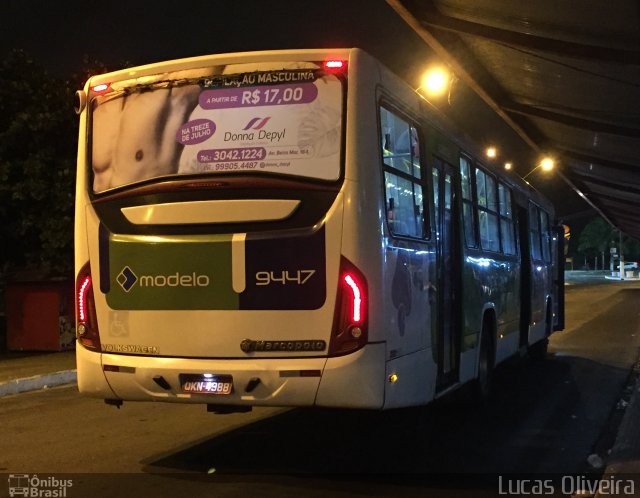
544, 417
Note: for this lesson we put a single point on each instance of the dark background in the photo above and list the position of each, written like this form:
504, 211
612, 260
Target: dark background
71, 38
61, 33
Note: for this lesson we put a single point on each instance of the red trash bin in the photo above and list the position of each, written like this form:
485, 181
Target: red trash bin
40, 316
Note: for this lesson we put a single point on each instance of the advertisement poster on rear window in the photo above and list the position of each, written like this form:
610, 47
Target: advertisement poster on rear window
285, 122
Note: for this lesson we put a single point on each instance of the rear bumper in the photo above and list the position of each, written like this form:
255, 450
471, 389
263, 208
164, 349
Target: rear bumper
355, 380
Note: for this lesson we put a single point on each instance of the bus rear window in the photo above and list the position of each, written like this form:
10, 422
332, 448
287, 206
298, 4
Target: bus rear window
286, 121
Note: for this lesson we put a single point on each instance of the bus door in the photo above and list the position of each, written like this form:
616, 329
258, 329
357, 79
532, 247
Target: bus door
525, 275
558, 278
448, 328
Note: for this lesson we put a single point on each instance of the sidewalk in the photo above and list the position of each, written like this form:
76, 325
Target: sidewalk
28, 371
625, 455
623, 463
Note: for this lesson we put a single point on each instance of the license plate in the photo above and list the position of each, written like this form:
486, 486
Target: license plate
206, 384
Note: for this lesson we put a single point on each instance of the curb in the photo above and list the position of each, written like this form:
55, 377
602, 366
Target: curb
624, 460
36, 382
625, 454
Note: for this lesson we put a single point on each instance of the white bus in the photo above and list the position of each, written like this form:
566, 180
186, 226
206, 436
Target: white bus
296, 228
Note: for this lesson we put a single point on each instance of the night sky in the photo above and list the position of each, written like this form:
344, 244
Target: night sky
60, 34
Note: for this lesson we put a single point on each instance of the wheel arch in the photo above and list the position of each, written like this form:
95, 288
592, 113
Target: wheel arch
488, 321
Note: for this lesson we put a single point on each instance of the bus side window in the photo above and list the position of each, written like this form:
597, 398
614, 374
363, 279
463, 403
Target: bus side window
506, 220
534, 232
403, 182
487, 211
545, 236
468, 219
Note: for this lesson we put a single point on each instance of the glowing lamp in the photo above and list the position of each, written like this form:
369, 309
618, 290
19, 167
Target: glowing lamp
335, 65
357, 298
547, 164
101, 88
435, 81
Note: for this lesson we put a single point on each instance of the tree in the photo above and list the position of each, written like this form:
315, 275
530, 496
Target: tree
598, 236
38, 143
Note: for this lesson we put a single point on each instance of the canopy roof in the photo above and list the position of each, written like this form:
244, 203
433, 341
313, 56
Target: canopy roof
564, 75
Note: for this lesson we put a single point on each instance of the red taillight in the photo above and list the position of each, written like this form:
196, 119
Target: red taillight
350, 321
356, 302
335, 65
101, 88
86, 319
83, 292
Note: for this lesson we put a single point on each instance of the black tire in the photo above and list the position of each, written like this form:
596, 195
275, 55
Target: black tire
482, 383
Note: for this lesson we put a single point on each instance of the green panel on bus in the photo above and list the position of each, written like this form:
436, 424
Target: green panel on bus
197, 272
159, 275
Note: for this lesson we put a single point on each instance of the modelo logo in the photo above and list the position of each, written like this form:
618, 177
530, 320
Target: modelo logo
127, 279
175, 280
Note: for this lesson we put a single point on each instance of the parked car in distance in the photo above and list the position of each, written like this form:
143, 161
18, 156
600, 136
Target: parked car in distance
628, 265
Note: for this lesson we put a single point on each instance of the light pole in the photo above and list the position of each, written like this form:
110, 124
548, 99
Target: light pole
621, 256
547, 164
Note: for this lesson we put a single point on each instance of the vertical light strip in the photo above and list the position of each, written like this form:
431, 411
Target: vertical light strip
238, 277
82, 299
357, 298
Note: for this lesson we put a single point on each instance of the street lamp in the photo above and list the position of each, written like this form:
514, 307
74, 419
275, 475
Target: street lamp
547, 164
435, 82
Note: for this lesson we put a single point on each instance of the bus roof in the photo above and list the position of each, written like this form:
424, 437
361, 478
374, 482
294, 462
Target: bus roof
220, 59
